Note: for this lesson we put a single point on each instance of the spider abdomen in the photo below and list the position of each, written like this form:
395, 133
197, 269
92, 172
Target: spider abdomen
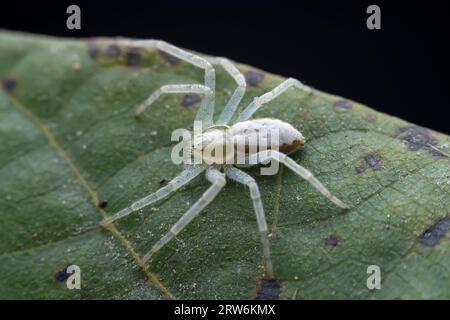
266, 133
219, 145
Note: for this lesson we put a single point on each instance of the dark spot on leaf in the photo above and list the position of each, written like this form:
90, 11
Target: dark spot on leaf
343, 104
163, 182
62, 275
418, 138
168, 57
435, 233
133, 57
360, 169
113, 50
9, 84
371, 161
332, 241
254, 78
103, 204
189, 100
268, 290
374, 161
93, 50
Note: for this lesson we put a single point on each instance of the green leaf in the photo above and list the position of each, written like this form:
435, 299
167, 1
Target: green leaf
72, 152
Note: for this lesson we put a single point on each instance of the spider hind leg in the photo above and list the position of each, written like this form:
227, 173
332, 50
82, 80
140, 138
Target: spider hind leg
245, 179
183, 178
218, 181
300, 171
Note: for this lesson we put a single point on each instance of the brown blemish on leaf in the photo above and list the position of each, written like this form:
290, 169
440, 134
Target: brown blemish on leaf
76, 66
9, 84
332, 240
168, 57
112, 50
343, 104
133, 57
189, 100
419, 138
268, 290
254, 77
435, 233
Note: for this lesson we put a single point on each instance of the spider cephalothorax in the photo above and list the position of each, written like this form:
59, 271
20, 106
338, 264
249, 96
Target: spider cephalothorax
257, 140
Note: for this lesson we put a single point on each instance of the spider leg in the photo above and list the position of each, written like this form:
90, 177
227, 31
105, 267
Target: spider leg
299, 170
242, 177
206, 110
218, 181
174, 88
183, 178
269, 96
231, 106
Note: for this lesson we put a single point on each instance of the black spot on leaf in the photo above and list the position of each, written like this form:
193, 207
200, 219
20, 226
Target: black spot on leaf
373, 161
103, 204
360, 169
9, 84
168, 57
435, 233
93, 50
133, 57
113, 50
418, 138
268, 290
62, 275
332, 241
189, 100
343, 104
254, 78
163, 182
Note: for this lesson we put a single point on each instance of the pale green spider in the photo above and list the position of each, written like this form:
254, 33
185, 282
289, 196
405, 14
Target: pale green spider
290, 140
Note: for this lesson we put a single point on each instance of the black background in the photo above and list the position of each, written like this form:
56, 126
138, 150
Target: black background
164, 309
401, 69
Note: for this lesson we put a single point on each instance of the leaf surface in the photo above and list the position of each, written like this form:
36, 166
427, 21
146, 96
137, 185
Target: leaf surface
71, 153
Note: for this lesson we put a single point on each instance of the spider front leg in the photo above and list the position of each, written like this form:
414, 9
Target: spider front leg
206, 110
231, 106
183, 178
218, 181
266, 155
242, 177
176, 88
269, 96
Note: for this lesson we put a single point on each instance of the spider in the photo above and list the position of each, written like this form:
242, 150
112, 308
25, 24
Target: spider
290, 140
